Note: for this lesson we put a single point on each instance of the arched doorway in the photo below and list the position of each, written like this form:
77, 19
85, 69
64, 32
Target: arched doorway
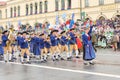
101, 18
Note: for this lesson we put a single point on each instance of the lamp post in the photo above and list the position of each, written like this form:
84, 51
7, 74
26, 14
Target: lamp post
81, 10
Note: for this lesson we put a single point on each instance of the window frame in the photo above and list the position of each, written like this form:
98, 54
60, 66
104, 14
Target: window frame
15, 9
56, 5
69, 4
31, 9
18, 10
101, 2
41, 7
11, 12
46, 6
36, 7
86, 3
62, 4
27, 9
117, 1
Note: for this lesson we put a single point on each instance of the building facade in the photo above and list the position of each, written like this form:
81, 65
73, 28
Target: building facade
17, 12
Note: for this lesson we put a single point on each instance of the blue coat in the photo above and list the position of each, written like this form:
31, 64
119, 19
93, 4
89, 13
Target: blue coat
36, 46
32, 42
23, 43
73, 38
88, 50
47, 44
1, 50
18, 40
41, 42
4, 40
63, 40
53, 40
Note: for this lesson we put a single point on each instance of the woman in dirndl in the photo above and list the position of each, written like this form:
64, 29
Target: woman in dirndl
88, 50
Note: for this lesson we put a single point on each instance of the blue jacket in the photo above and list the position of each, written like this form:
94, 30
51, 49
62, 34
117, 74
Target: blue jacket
72, 38
63, 40
23, 43
47, 44
4, 40
18, 40
53, 40
32, 41
41, 41
37, 40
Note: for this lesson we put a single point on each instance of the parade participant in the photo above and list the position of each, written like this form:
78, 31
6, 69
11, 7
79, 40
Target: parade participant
1, 48
114, 41
118, 42
53, 39
79, 43
18, 40
58, 55
88, 50
104, 41
63, 42
47, 45
24, 47
36, 47
72, 42
32, 42
4, 40
14, 50
42, 48
17, 47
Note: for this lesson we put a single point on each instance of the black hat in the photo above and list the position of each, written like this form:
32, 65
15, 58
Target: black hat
54, 31
4, 31
19, 33
41, 34
72, 29
62, 32
48, 35
25, 32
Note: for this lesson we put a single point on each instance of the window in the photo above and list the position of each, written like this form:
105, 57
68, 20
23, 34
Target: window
11, 12
27, 9
116, 1
40, 7
14, 11
36, 7
69, 4
46, 6
62, 4
86, 3
6, 12
0, 14
101, 2
56, 5
18, 10
31, 9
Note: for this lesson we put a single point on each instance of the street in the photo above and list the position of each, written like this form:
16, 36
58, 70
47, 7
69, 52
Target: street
106, 68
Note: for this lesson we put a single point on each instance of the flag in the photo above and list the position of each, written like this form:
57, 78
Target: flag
73, 15
57, 20
19, 24
64, 16
67, 24
71, 24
